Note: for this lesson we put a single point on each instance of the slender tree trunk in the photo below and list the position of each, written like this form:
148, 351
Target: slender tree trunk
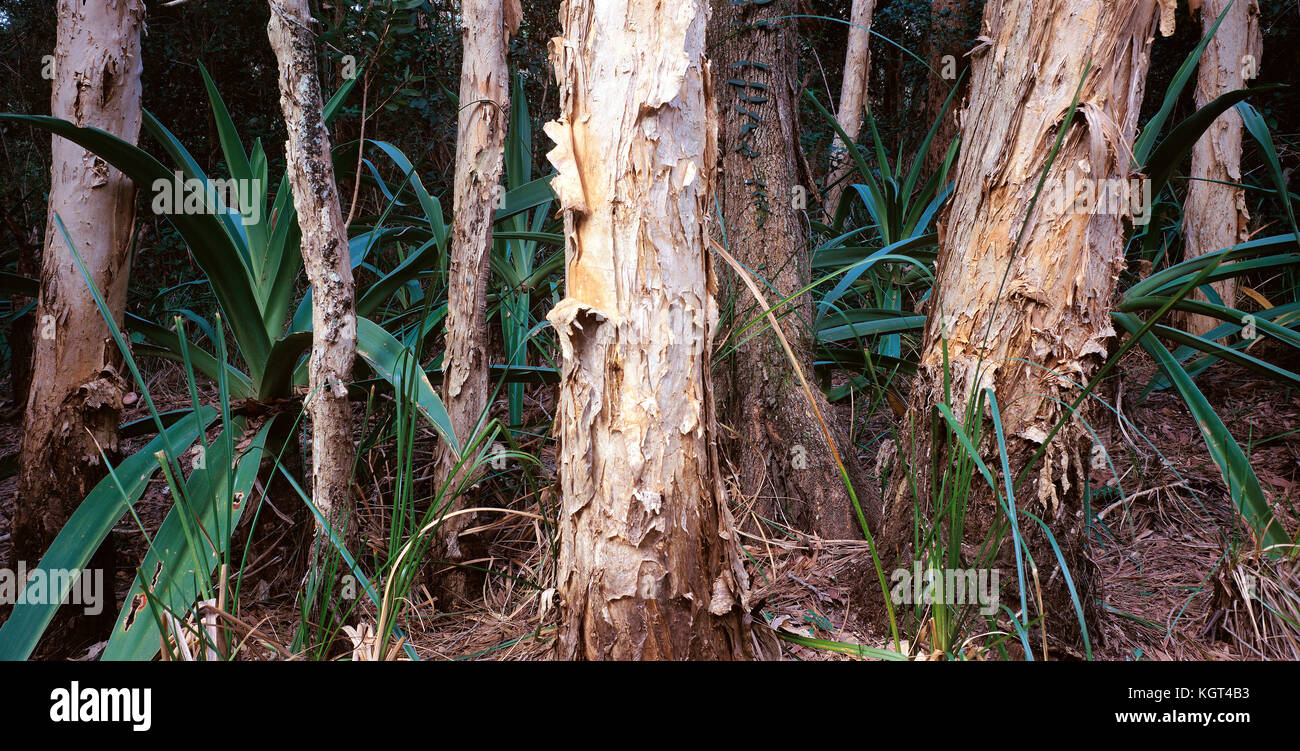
649, 564
950, 34
853, 99
779, 448
486, 27
76, 391
1215, 215
1028, 331
328, 264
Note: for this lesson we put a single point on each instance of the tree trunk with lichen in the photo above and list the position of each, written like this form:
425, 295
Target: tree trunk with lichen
775, 440
649, 565
328, 264
486, 27
1028, 316
76, 394
853, 100
1214, 214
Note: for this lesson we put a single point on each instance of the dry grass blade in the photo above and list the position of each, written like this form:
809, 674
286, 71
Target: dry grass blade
821, 422
785, 345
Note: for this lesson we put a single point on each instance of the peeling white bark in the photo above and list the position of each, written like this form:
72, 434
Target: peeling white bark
649, 565
1032, 332
76, 394
1053, 309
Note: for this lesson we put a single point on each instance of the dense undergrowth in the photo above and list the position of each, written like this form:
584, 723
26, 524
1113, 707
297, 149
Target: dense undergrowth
218, 360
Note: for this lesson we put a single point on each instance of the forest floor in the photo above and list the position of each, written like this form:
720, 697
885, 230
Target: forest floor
1172, 570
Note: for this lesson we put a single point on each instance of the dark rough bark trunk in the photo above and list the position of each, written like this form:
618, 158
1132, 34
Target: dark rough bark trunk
327, 262
1044, 325
649, 563
76, 395
775, 440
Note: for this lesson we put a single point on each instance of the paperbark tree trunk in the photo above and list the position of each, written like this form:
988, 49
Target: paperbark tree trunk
649, 564
486, 27
853, 99
76, 393
1029, 330
1215, 215
328, 264
778, 446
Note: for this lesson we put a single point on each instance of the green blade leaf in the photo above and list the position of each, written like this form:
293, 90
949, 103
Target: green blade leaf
241, 169
174, 570
167, 344
206, 234
391, 361
87, 528
527, 196
1237, 472
1174, 147
1142, 147
1258, 129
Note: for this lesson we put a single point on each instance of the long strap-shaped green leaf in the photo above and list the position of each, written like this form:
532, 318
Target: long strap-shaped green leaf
885, 324
1144, 143
1237, 473
180, 563
1274, 248
167, 344
86, 529
241, 169
206, 234
1184, 136
389, 359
